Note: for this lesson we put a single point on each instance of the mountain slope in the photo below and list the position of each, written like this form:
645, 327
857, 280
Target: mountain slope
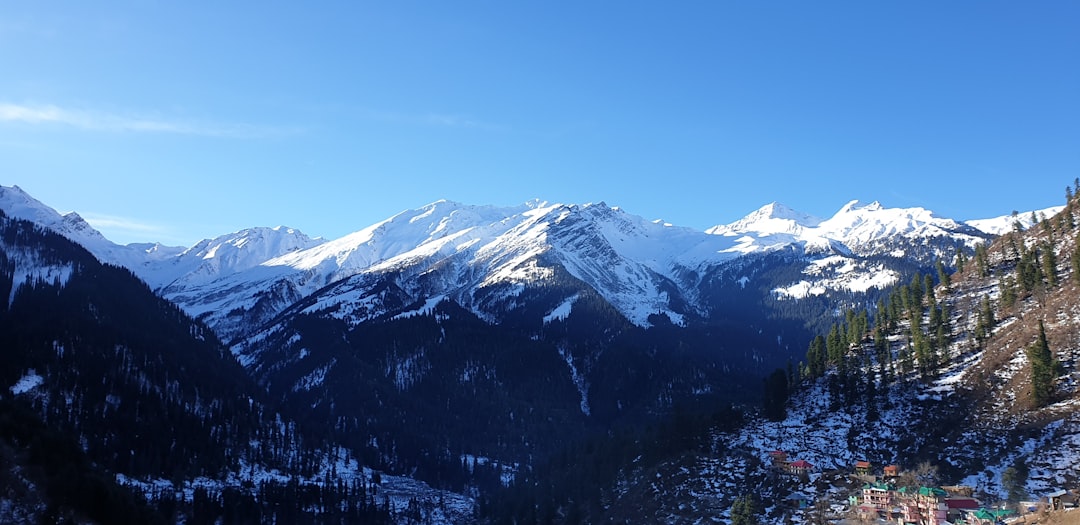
950, 406
147, 397
470, 346
640, 267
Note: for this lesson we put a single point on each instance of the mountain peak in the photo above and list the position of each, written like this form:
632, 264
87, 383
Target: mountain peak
858, 205
769, 219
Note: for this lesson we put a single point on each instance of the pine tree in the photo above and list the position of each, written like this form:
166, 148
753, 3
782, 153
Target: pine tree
1029, 271
943, 275
834, 344
1076, 264
982, 260
1014, 479
776, 395
1044, 369
1008, 291
1049, 265
917, 291
816, 357
744, 511
961, 259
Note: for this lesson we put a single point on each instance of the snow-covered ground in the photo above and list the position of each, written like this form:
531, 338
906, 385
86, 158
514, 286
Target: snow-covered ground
437, 507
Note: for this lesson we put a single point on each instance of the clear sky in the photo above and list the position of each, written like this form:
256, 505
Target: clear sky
176, 121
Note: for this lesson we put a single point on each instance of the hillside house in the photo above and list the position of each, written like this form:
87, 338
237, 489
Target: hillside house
957, 506
986, 516
925, 506
879, 496
1059, 498
778, 458
891, 471
799, 468
862, 468
799, 500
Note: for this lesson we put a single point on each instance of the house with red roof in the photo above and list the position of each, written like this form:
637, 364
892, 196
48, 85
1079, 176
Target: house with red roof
799, 467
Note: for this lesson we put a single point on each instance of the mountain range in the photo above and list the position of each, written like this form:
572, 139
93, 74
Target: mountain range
241, 280
471, 347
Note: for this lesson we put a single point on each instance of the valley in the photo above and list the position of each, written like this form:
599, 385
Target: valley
545, 363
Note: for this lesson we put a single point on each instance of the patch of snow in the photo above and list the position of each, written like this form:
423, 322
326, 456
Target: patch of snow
1005, 223
562, 311
315, 378
426, 309
577, 377
27, 382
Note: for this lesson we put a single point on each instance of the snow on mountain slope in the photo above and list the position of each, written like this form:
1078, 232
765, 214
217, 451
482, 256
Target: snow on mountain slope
461, 251
155, 263
225, 255
772, 218
859, 227
1006, 223
18, 204
837, 248
237, 281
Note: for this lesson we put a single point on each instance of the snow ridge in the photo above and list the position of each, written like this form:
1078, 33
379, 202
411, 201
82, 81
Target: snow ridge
481, 256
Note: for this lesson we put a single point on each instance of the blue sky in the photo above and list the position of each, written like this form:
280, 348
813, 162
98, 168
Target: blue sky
175, 121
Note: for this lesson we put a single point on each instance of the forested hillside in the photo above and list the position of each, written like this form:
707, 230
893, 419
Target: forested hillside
963, 374
113, 382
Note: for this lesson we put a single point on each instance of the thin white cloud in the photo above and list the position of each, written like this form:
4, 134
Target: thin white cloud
455, 121
125, 230
127, 225
101, 121
442, 120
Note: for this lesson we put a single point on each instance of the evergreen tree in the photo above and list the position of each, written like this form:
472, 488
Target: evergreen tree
1049, 265
1076, 264
961, 259
982, 260
816, 357
1008, 291
881, 313
1044, 369
943, 275
776, 395
1014, 479
917, 292
834, 344
984, 321
1029, 271
744, 511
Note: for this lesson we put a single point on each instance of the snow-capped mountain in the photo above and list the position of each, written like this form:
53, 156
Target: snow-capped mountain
771, 219
18, 204
460, 251
1007, 223
481, 256
641, 267
861, 228
464, 344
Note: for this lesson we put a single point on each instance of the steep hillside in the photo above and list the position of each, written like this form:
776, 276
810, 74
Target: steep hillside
488, 350
115, 404
941, 377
